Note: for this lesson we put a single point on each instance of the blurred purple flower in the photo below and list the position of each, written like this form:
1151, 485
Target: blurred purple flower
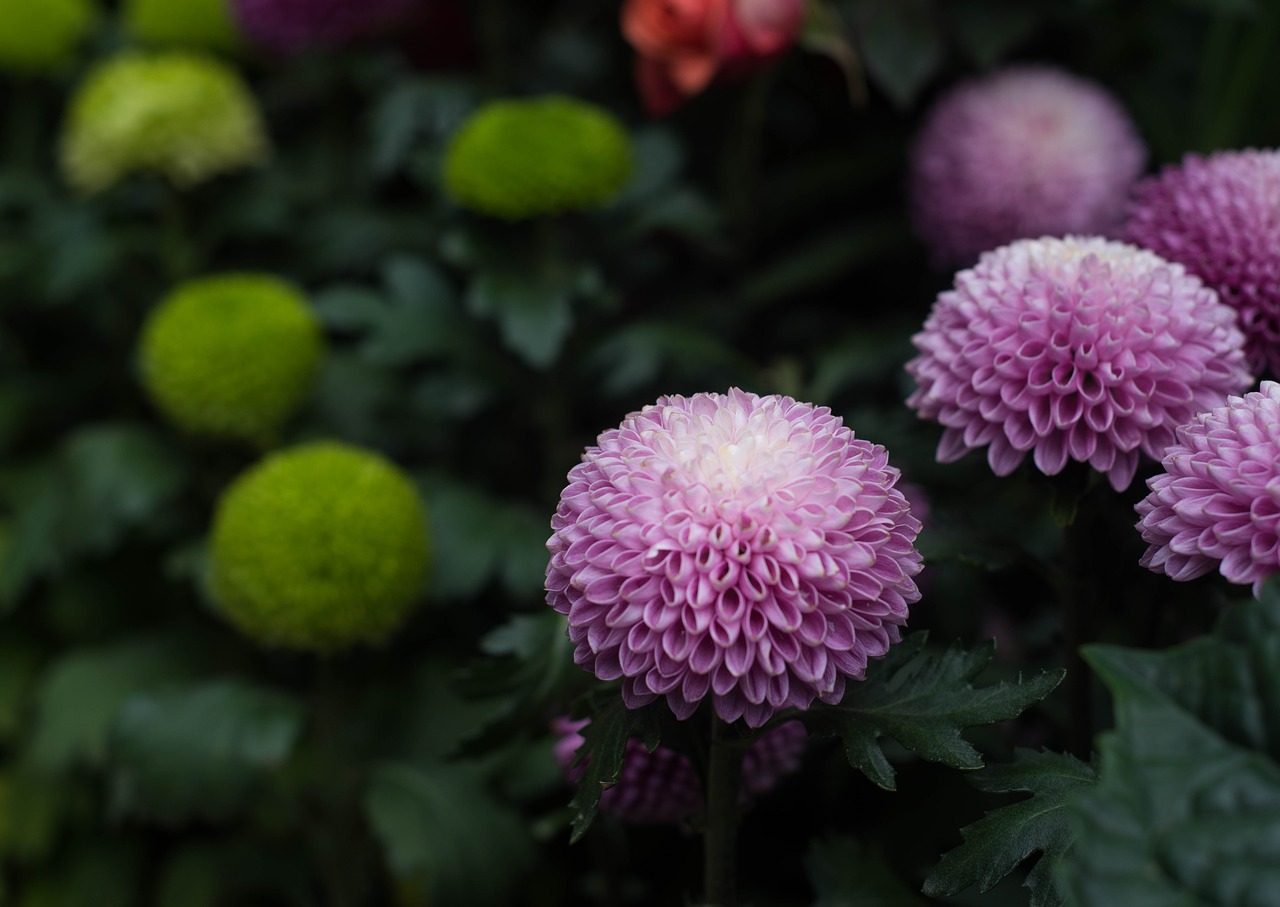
662, 786
1220, 217
1073, 348
740, 548
1217, 503
292, 26
1024, 152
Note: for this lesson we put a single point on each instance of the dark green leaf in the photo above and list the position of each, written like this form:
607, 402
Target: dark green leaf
901, 45
33, 806
659, 158
444, 834
106, 873
924, 699
988, 29
19, 661
195, 752
604, 744
80, 693
1180, 815
995, 844
845, 873
534, 317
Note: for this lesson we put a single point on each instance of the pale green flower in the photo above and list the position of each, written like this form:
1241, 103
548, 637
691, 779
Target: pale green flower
521, 158
231, 356
39, 36
319, 547
187, 116
189, 23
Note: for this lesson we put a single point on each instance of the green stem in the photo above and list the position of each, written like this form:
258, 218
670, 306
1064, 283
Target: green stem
742, 154
724, 776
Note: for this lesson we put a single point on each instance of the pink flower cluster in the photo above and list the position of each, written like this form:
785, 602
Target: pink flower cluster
747, 550
1220, 217
1073, 349
1217, 503
1025, 152
662, 786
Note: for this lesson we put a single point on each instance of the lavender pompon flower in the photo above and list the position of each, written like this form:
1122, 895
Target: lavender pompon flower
662, 786
292, 26
1220, 217
1074, 348
1024, 152
1218, 500
745, 549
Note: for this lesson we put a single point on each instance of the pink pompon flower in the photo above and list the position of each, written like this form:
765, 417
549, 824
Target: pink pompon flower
1220, 217
1217, 503
747, 550
1073, 349
1024, 152
662, 786
292, 26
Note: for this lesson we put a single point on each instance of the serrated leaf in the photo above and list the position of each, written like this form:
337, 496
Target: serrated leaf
528, 669
440, 830
846, 873
1180, 816
997, 843
924, 699
79, 694
603, 746
195, 752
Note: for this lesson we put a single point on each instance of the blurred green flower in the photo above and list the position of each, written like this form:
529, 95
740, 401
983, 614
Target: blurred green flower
190, 23
184, 115
38, 36
231, 356
319, 547
520, 158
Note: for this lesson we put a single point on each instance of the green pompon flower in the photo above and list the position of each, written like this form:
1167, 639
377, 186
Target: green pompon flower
184, 115
39, 36
231, 356
521, 158
319, 547
187, 23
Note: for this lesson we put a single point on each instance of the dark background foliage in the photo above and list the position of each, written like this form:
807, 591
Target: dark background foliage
149, 754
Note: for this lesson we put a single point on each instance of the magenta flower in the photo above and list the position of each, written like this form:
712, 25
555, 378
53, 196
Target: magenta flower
1217, 503
662, 786
1028, 151
291, 26
744, 549
1220, 217
1073, 349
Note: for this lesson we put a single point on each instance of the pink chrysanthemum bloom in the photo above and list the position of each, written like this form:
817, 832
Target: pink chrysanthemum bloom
1220, 217
1028, 151
1075, 348
1218, 500
292, 26
662, 786
745, 549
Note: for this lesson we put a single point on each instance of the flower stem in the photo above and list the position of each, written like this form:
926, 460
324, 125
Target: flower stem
724, 775
1077, 598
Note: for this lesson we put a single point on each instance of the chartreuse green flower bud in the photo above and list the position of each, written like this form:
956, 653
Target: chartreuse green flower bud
185, 116
319, 547
517, 159
39, 36
188, 23
231, 356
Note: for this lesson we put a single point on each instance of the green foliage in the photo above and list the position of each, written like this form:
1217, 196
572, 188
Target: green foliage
319, 547
924, 699
844, 873
440, 830
194, 753
1188, 797
604, 742
189, 23
997, 843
